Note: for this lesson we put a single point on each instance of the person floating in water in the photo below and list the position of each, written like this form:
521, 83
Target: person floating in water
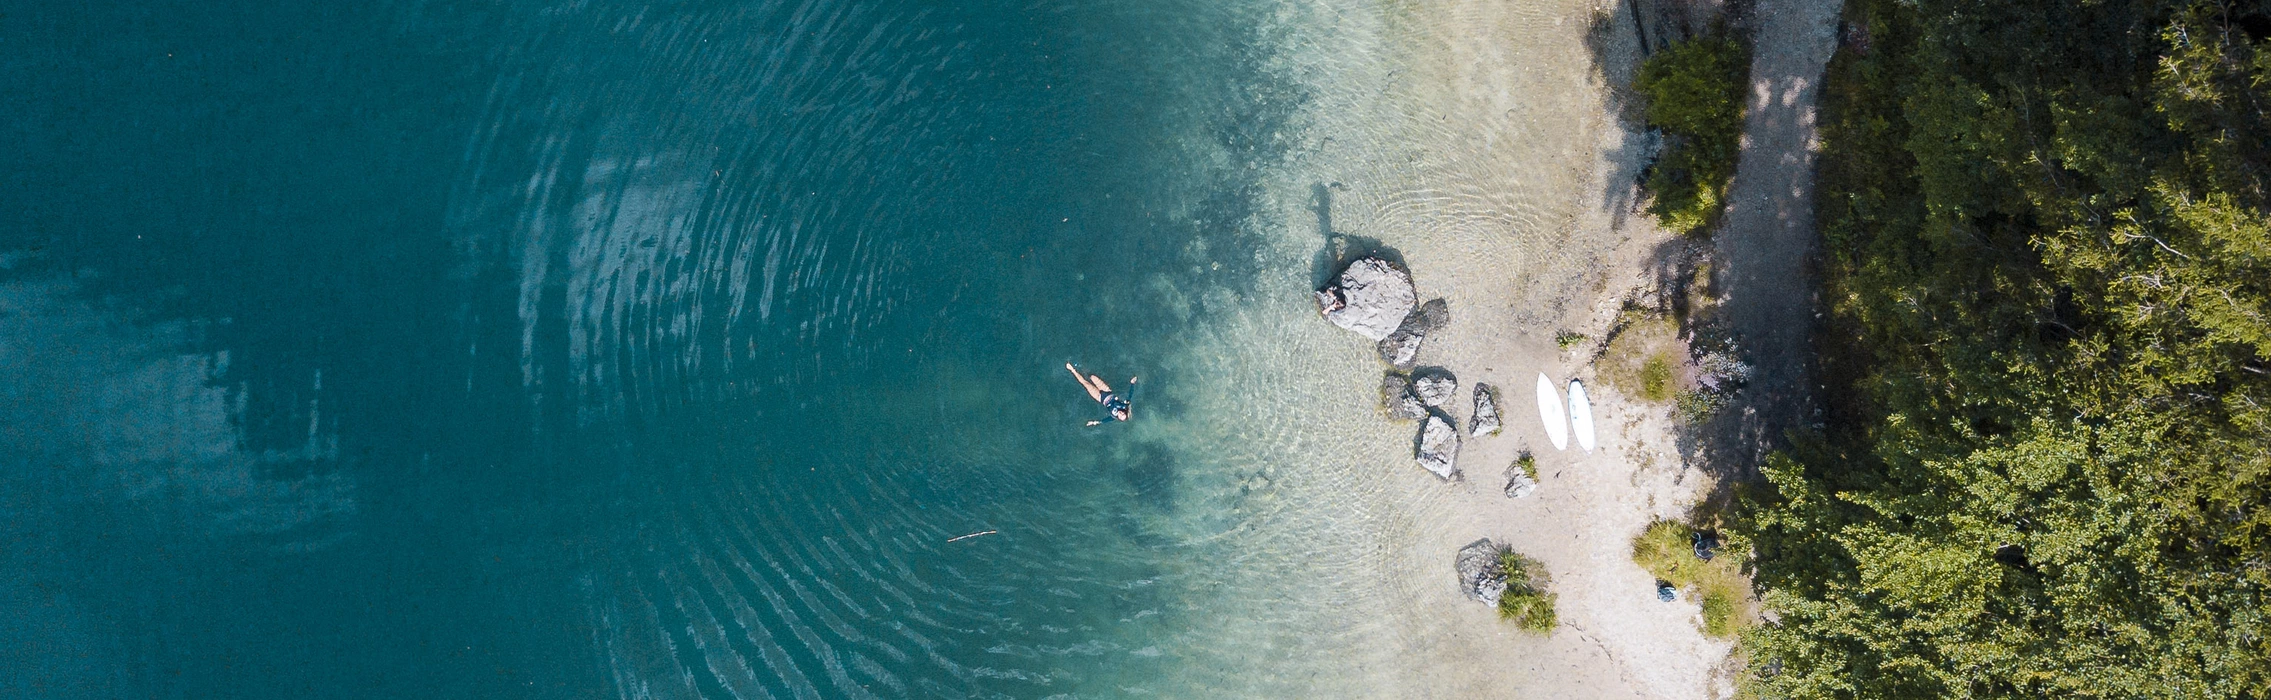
1114, 404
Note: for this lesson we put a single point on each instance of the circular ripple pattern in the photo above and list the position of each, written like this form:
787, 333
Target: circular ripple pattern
787, 286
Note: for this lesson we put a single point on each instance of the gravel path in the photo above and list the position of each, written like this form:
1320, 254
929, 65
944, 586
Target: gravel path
1769, 233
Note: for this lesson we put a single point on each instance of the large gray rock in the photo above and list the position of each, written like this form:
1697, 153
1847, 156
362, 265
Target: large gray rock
1438, 445
1396, 398
1481, 575
1485, 420
1434, 388
1371, 297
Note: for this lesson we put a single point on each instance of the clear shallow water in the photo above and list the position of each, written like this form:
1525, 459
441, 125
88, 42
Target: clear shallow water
442, 349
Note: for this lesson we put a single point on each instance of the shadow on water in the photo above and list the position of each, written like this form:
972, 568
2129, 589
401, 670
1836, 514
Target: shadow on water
1340, 248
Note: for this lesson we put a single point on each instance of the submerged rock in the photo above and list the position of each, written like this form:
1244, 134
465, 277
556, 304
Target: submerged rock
1434, 387
1485, 420
1439, 445
1396, 398
1429, 317
1481, 576
1371, 297
1401, 348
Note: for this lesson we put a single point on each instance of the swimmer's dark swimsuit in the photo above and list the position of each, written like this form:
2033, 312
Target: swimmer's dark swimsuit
1113, 404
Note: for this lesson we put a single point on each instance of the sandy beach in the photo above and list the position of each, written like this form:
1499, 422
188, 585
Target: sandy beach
1482, 143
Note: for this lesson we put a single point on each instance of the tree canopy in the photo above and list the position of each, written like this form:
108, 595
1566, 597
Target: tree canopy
1694, 91
2046, 262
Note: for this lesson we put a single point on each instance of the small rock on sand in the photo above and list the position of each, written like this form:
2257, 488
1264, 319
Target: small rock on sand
1519, 483
1439, 445
1371, 297
1434, 387
1396, 398
1480, 575
1485, 420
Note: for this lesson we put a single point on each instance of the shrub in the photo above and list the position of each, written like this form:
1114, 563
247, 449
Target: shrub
1694, 91
1695, 407
1666, 550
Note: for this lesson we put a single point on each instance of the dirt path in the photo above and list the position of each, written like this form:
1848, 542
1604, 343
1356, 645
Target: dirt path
1769, 233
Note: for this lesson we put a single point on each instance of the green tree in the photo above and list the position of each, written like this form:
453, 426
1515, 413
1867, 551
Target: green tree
1694, 91
2047, 260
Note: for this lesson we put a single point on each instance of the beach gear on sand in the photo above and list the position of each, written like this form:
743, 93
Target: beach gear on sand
1581, 415
1549, 411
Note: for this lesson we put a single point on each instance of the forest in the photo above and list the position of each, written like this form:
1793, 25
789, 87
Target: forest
2045, 269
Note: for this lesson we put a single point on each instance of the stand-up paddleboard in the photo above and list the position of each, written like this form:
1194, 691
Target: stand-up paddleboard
1581, 415
1549, 410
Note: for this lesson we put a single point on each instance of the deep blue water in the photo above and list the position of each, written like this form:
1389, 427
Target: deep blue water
607, 348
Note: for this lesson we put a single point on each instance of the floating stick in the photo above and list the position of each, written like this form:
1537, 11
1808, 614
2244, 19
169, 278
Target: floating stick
974, 534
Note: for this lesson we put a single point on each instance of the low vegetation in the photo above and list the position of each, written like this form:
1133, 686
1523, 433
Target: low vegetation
1643, 358
1525, 601
1667, 551
2046, 266
1694, 93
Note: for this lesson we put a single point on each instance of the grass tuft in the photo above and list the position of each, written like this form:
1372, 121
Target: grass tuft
1526, 601
1643, 359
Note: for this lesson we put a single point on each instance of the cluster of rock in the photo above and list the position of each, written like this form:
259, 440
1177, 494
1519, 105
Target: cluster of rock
1420, 396
1375, 298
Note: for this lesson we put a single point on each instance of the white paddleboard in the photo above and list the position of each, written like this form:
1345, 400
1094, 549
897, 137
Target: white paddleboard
1581, 415
1549, 411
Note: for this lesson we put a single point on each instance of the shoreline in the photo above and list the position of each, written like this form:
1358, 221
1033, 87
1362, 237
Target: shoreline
1504, 180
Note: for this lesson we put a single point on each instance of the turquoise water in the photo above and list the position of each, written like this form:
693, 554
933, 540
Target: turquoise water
572, 349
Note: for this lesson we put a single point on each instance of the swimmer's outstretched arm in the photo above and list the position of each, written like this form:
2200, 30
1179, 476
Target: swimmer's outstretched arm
1094, 394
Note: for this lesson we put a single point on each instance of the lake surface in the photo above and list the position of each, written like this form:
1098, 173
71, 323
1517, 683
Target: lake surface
444, 349
637, 349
